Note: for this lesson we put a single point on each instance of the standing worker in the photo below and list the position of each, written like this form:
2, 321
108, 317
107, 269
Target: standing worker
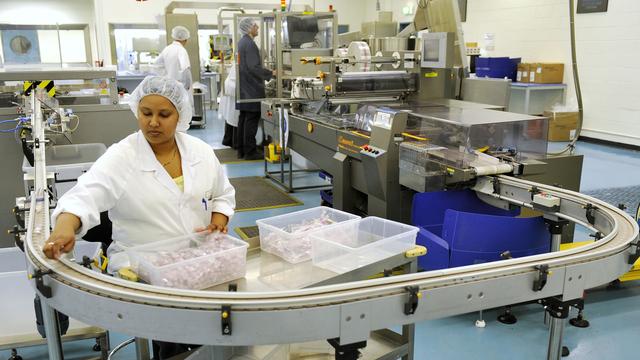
251, 77
174, 59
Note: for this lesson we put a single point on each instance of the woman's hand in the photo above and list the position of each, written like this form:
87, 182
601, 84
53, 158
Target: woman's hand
63, 237
218, 223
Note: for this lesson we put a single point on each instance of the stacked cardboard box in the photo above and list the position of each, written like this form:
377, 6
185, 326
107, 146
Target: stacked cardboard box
562, 125
540, 73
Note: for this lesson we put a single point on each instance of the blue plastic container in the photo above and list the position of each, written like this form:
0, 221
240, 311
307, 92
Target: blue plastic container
497, 67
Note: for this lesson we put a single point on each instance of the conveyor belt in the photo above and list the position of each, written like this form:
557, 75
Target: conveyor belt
483, 285
348, 311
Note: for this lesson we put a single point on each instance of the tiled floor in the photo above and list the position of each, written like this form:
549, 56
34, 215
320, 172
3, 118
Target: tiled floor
614, 314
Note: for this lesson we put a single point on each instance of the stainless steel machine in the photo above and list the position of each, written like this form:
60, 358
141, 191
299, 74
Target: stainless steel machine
90, 94
383, 133
333, 307
365, 118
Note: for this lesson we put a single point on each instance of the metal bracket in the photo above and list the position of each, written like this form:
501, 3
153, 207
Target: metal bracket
348, 351
556, 226
590, 213
86, 262
598, 235
635, 255
412, 303
560, 309
496, 185
541, 280
225, 314
42, 288
534, 190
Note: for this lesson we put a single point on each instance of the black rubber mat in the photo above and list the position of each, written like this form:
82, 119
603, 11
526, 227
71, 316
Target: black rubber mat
247, 232
257, 193
230, 156
629, 196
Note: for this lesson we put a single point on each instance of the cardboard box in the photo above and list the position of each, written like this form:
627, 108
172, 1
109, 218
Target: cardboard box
561, 125
523, 73
541, 73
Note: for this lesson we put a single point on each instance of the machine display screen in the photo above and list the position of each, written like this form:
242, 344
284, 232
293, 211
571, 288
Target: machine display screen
382, 119
431, 50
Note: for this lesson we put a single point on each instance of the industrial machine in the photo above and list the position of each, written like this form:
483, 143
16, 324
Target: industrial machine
385, 125
89, 93
346, 312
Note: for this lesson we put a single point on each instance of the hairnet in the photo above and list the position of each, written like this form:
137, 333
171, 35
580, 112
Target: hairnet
180, 33
245, 25
170, 89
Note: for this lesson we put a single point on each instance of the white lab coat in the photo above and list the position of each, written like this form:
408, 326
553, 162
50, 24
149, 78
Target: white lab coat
227, 109
174, 63
144, 203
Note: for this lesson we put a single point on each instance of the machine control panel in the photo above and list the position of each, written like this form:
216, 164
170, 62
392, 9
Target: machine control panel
372, 151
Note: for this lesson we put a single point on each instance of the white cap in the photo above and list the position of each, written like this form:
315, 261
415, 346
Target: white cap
180, 33
170, 89
245, 25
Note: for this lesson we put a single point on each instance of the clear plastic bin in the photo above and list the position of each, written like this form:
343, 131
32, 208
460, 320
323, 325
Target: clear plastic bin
196, 261
350, 246
287, 236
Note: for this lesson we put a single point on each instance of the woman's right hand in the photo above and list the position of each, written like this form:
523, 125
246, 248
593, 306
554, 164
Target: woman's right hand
63, 237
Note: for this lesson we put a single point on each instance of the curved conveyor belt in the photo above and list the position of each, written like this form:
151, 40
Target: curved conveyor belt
348, 310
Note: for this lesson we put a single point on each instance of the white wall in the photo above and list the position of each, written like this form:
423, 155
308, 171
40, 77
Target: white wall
47, 12
607, 48
149, 12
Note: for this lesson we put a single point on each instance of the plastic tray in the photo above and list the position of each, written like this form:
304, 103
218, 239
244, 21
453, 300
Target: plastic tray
350, 246
285, 236
196, 261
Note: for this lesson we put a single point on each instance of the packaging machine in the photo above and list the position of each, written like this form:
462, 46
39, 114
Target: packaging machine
343, 310
387, 125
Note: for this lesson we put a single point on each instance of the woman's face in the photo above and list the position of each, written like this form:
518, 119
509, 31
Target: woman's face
157, 118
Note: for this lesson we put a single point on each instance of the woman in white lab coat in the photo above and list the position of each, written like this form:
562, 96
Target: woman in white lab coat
227, 110
157, 183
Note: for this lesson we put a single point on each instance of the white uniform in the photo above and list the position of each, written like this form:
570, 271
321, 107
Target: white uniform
144, 203
228, 101
174, 60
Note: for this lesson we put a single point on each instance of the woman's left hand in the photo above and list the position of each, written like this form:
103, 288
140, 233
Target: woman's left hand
218, 223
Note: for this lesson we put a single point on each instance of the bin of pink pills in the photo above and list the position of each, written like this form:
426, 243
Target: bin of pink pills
196, 261
346, 247
287, 236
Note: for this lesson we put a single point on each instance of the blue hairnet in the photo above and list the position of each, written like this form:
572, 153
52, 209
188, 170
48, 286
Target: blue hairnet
245, 25
180, 33
170, 89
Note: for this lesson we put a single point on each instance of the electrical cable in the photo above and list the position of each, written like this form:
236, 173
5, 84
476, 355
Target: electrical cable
576, 80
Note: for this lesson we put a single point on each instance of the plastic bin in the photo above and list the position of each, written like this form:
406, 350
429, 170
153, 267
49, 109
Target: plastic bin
196, 261
497, 67
68, 162
287, 236
350, 246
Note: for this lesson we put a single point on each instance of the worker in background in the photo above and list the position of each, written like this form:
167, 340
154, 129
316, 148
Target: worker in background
174, 59
141, 182
228, 112
251, 77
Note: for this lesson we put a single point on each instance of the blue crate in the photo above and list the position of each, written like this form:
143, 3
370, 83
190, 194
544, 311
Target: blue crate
497, 67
